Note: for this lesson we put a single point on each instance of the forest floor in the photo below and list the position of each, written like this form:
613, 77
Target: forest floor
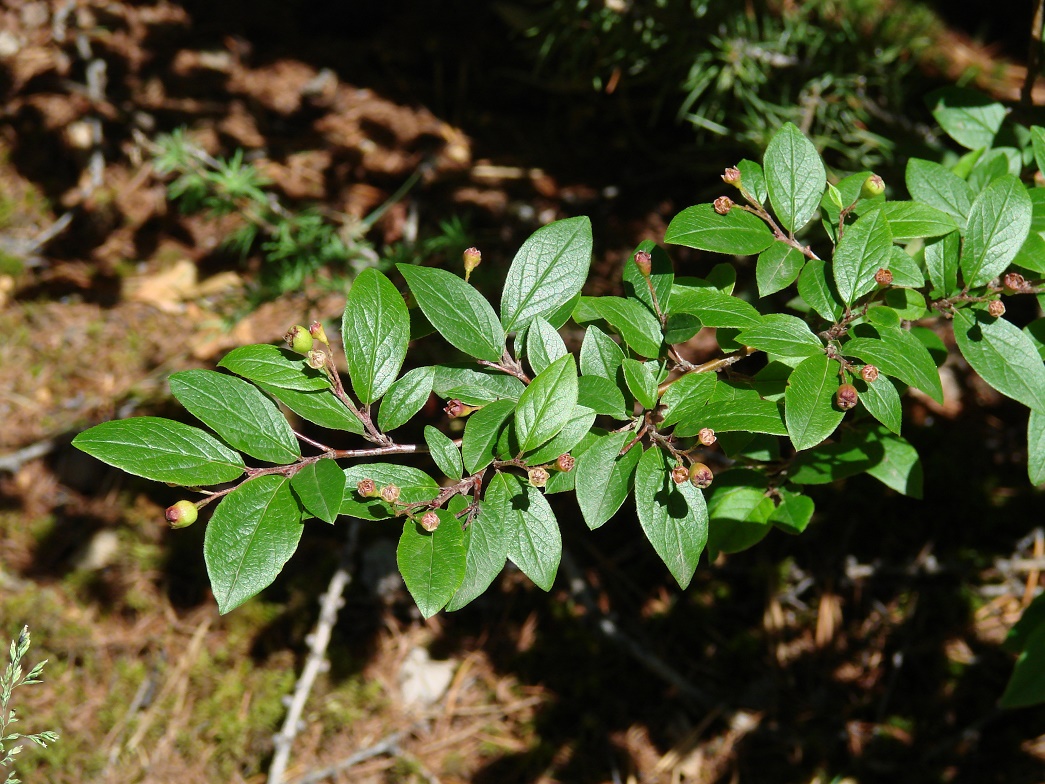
867, 649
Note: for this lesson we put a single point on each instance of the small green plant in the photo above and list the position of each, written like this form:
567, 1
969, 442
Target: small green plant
716, 454
10, 746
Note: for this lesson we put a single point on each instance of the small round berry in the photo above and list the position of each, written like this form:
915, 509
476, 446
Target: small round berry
700, 475
873, 186
456, 408
316, 330
731, 176
471, 258
182, 514
538, 476
565, 463
846, 397
679, 474
390, 493
996, 308
706, 436
299, 339
366, 488
1014, 282
869, 373
883, 277
723, 204
644, 262
429, 521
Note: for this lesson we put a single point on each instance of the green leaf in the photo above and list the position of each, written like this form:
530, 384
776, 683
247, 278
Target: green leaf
939, 187
862, 251
1037, 134
546, 404
548, 271
818, 290
414, 487
275, 367
639, 328
746, 414
445, 454
162, 450
777, 268
250, 536
432, 563
576, 427
320, 487
738, 232
1003, 356
1027, 685
901, 355
785, 335
970, 118
1031, 254
673, 517
375, 330
543, 344
534, 540
739, 514
487, 542
906, 272
459, 312
941, 262
713, 308
475, 387
661, 276
1036, 447
899, 467
998, 224
405, 398
604, 478
793, 512
809, 409
481, 432
238, 412
600, 354
753, 180
602, 396
882, 401
641, 378
852, 455
319, 406
685, 397
910, 220
795, 177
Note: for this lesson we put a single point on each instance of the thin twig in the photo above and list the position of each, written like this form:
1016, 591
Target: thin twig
388, 745
318, 641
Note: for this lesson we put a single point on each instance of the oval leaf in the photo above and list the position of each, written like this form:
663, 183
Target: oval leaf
547, 403
1003, 355
405, 398
795, 177
809, 409
862, 251
604, 478
487, 542
320, 487
999, 222
432, 563
738, 232
376, 331
444, 453
276, 367
534, 541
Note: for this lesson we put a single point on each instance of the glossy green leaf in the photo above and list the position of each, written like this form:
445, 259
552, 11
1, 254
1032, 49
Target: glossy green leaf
661, 276
459, 312
753, 180
809, 408
1036, 447
1031, 254
534, 540
375, 331
738, 232
793, 512
641, 378
747, 414
882, 401
319, 406
818, 290
853, 455
320, 487
1027, 685
251, 535
713, 308
547, 272
238, 412
939, 187
547, 403
899, 467
475, 387
906, 272
910, 220
777, 268
481, 432
969, 117
604, 477
161, 450
407, 396
795, 177
673, 517
685, 397
782, 334
901, 355
739, 517
543, 344
600, 354
487, 542
415, 486
998, 224
576, 427
602, 396
275, 367
432, 563
444, 452
1037, 134
1003, 356
862, 251
639, 328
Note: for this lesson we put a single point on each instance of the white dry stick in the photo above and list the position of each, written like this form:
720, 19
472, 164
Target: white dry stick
318, 641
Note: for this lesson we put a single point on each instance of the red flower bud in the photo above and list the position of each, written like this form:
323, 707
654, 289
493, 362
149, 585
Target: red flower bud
316, 330
644, 262
565, 463
883, 277
723, 204
732, 176
182, 514
455, 409
1014, 282
846, 397
366, 488
471, 258
429, 521
869, 373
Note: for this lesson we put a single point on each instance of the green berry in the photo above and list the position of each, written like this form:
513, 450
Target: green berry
873, 186
700, 475
182, 514
299, 339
